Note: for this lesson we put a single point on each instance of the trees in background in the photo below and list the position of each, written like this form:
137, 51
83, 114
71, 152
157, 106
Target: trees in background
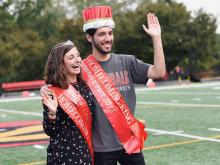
188, 41
216, 55
29, 29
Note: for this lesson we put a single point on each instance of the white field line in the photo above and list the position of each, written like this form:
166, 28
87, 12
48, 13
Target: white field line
197, 99
214, 129
183, 135
163, 133
3, 115
21, 112
37, 146
199, 85
184, 93
216, 88
174, 101
19, 99
179, 104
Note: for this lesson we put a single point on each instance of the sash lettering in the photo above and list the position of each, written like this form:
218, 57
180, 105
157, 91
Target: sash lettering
76, 107
130, 131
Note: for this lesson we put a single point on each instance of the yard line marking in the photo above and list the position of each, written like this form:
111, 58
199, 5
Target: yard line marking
33, 163
2, 130
180, 104
214, 129
37, 146
174, 101
163, 133
197, 99
3, 115
182, 93
183, 135
179, 86
176, 144
20, 99
21, 112
214, 88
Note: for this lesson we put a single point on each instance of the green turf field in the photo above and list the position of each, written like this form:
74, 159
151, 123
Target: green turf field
183, 125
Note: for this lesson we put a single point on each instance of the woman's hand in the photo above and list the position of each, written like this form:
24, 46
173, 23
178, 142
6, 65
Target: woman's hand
50, 101
44, 90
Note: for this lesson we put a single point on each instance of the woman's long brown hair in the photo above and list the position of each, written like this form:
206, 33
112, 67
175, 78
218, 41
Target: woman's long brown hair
55, 73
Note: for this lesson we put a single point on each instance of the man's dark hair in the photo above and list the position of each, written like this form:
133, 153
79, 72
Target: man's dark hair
91, 32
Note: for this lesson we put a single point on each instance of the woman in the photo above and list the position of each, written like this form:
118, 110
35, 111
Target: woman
67, 115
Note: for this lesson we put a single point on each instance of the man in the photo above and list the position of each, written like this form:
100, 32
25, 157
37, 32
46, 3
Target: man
123, 70
117, 135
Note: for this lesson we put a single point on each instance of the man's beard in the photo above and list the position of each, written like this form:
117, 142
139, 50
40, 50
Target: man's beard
99, 48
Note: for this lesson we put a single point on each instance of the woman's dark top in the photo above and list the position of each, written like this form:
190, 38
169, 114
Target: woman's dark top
67, 145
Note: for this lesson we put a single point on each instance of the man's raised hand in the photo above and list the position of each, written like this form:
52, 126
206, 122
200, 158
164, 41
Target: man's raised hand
153, 29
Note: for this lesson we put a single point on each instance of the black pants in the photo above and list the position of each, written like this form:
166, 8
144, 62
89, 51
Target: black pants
111, 158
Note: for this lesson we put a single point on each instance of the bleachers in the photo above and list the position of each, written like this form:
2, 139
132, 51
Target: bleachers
21, 86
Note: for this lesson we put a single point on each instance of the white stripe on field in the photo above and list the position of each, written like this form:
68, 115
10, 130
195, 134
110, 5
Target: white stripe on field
216, 88
179, 86
214, 129
183, 93
20, 112
2, 130
20, 99
179, 104
174, 101
197, 99
183, 135
3, 115
37, 146
162, 133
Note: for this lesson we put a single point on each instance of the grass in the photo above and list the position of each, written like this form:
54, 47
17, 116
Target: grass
189, 110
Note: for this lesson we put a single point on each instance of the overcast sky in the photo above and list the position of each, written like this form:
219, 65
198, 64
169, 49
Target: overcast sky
210, 6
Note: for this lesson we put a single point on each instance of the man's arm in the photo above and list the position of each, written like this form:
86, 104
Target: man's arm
158, 69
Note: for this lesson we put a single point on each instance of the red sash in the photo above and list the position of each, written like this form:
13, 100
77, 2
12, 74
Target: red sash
128, 129
76, 107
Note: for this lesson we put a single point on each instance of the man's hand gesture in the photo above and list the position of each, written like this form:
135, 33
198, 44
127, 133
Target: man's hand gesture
153, 29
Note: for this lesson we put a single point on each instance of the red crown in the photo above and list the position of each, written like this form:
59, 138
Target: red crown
97, 17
